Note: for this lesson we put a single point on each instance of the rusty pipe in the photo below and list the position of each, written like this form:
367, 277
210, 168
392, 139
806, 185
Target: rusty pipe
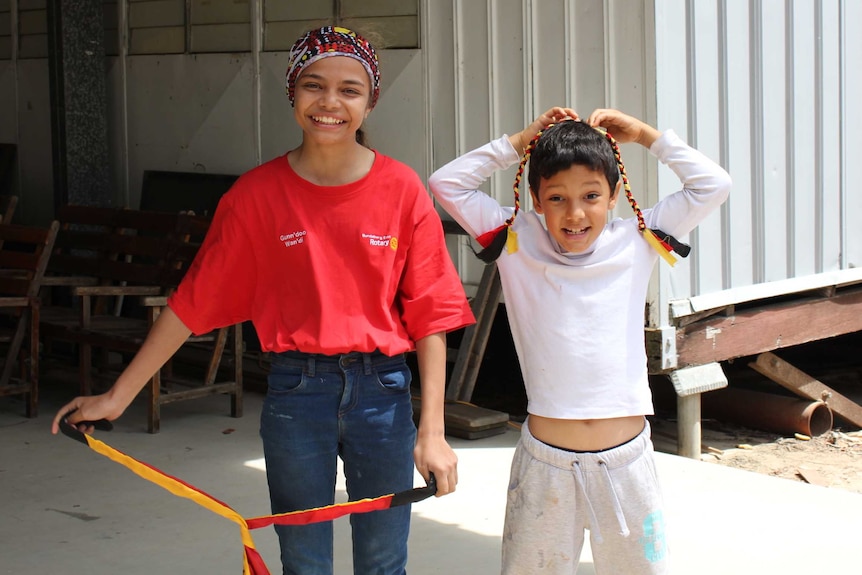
768, 411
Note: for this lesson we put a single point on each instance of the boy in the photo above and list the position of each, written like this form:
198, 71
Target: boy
575, 288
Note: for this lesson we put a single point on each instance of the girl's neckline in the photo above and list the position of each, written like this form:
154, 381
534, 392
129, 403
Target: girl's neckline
347, 165
338, 188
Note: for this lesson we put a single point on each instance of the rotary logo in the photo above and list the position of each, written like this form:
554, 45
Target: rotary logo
381, 240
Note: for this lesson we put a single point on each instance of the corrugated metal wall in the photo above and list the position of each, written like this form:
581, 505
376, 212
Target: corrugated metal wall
767, 88
494, 65
770, 89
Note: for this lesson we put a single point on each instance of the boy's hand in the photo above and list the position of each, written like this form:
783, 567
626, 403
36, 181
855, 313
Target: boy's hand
522, 139
624, 128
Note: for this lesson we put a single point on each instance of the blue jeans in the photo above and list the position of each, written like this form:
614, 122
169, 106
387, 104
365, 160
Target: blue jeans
355, 406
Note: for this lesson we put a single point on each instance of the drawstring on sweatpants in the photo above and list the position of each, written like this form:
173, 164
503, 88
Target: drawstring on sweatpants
618, 508
595, 529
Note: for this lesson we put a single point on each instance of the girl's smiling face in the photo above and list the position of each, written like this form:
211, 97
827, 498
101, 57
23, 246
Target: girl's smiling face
575, 203
332, 98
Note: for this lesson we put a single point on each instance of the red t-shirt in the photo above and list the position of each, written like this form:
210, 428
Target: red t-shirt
325, 269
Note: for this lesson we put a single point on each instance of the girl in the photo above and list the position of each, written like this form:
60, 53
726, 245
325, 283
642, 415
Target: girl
336, 254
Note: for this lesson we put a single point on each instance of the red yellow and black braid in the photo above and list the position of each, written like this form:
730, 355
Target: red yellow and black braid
661, 242
494, 241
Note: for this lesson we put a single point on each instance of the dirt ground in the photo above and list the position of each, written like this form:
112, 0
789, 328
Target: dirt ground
833, 459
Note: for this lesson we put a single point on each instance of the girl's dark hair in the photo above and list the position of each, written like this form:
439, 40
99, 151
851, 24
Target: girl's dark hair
569, 144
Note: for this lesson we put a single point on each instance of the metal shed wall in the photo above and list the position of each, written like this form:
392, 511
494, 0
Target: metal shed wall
221, 112
766, 88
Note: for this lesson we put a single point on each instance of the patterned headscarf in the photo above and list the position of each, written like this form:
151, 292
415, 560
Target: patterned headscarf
332, 41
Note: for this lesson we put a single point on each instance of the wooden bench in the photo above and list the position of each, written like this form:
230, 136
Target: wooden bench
83, 246
139, 258
24, 253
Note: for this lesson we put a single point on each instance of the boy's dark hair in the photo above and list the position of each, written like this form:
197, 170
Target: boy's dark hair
570, 144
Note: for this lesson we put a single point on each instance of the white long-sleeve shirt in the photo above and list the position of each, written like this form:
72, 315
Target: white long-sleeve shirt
577, 320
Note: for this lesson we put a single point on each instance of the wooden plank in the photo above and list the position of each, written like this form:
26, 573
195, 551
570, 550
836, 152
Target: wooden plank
803, 384
68, 281
475, 339
115, 290
469, 416
812, 476
769, 327
468, 421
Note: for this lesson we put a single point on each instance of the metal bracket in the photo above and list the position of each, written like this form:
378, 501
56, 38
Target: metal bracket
668, 348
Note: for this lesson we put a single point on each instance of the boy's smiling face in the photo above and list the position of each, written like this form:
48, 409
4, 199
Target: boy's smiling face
575, 203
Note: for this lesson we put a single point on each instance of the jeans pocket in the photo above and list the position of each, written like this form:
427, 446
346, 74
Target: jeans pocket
284, 380
395, 380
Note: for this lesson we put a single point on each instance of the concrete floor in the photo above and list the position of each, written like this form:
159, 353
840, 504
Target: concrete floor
66, 510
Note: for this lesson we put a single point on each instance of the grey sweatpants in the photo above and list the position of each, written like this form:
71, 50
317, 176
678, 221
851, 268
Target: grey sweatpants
554, 495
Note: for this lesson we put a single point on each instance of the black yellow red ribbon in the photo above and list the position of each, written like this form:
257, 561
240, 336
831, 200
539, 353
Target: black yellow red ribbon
252, 562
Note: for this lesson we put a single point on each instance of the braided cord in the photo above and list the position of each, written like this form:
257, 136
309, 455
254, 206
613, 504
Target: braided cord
626, 186
520, 174
661, 245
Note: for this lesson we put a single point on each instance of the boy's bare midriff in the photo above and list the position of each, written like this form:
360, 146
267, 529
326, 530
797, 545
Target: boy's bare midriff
585, 434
